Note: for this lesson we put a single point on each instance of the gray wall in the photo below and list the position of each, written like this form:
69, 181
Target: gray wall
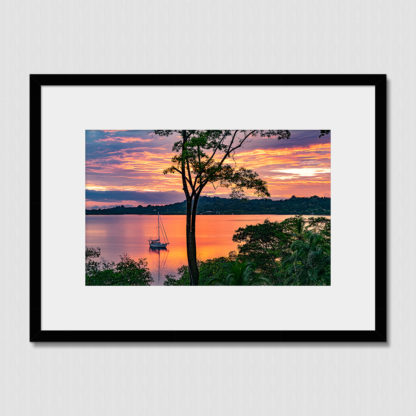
122, 36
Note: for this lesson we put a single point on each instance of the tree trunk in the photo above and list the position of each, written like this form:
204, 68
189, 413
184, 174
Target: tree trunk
191, 207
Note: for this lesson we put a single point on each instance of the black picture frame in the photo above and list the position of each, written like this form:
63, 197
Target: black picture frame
378, 335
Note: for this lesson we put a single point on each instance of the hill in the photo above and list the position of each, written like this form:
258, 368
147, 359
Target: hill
224, 206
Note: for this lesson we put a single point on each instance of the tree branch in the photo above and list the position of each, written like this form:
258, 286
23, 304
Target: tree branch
218, 145
199, 175
242, 141
227, 154
176, 169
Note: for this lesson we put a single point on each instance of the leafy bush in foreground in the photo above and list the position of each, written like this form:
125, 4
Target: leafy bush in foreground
127, 272
221, 271
296, 251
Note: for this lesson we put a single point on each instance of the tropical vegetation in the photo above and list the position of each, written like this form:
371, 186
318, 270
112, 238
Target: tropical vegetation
294, 252
127, 272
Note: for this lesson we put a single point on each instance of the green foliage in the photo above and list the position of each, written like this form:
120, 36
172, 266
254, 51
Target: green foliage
294, 252
261, 245
201, 158
240, 179
127, 272
221, 271
239, 273
308, 262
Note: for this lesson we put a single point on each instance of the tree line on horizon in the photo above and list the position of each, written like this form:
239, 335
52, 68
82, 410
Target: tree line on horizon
313, 205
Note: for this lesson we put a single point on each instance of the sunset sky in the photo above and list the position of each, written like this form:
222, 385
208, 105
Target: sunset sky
125, 167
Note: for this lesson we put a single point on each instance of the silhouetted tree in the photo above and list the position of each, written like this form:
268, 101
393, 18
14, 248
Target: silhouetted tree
201, 159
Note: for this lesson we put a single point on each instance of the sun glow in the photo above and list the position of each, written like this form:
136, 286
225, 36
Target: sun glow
134, 161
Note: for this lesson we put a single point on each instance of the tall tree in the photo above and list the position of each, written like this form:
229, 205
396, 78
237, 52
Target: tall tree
201, 159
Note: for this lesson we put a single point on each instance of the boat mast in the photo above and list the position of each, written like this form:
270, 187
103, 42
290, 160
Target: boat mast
158, 227
164, 235
158, 270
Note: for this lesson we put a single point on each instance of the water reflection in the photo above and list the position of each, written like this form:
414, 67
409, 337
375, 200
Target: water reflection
162, 255
129, 234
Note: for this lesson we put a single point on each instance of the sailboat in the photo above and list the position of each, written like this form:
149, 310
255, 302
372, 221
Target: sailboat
159, 243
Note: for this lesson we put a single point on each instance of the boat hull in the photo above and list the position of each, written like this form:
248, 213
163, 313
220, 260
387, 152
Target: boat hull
158, 245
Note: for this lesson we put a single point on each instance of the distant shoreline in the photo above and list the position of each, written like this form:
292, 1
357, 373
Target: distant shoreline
249, 213
314, 205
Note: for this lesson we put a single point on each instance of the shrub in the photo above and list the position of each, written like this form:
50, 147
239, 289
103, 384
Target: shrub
127, 272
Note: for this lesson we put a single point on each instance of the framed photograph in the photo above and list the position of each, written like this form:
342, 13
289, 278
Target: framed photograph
241, 208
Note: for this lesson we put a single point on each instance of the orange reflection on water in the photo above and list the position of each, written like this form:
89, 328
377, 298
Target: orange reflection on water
119, 234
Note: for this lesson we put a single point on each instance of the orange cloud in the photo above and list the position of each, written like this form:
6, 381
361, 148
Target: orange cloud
295, 170
123, 140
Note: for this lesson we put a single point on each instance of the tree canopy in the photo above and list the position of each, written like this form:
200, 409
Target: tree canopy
202, 157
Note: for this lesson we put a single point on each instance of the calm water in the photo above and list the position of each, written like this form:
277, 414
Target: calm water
118, 234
